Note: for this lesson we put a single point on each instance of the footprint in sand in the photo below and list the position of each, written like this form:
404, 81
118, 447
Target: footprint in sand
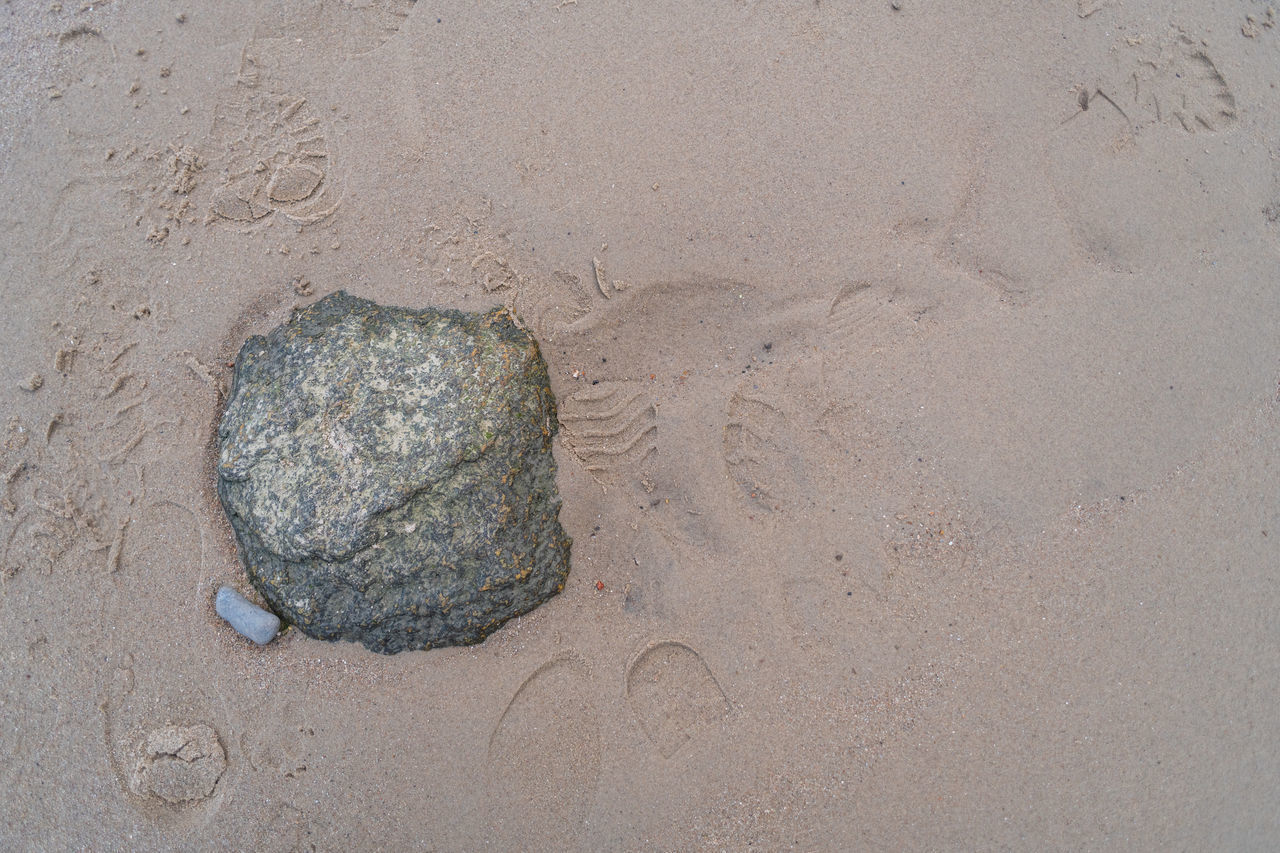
168, 534
564, 301
1127, 193
673, 694
611, 428
369, 24
171, 767
650, 328
646, 355
654, 587
761, 452
342, 28
465, 251
863, 314
33, 713
77, 479
544, 758
34, 542
771, 423
273, 155
179, 765
84, 74
280, 742
1178, 85
773, 417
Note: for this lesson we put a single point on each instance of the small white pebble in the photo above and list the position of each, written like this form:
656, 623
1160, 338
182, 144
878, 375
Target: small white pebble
247, 618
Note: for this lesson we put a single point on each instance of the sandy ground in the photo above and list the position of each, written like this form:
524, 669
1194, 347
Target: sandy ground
917, 372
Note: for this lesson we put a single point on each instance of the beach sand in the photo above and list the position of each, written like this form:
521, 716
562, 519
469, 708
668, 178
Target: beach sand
920, 433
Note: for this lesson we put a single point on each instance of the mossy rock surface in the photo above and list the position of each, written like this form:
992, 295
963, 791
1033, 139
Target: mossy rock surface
388, 473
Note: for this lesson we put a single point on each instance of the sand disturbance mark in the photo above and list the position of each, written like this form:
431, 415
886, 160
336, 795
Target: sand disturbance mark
657, 579
168, 768
369, 24
1173, 82
611, 428
338, 30
544, 757
673, 694
179, 765
273, 155
463, 250
1181, 87
281, 743
862, 311
1086, 8
1127, 192
33, 710
928, 542
70, 480
763, 446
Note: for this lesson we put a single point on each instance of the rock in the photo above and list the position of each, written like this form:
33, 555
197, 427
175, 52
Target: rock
388, 473
178, 764
247, 618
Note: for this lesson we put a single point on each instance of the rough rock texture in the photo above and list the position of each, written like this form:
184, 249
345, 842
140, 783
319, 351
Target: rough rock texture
388, 473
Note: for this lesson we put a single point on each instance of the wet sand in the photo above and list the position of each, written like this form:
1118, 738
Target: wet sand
918, 381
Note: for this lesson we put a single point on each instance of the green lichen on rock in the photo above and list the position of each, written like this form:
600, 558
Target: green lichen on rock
388, 473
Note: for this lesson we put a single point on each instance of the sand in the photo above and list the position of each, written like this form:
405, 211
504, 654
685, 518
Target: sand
917, 371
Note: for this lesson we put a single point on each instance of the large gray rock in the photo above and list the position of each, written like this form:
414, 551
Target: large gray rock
388, 473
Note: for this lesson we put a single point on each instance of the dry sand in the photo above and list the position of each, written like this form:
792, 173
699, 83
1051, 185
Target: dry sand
920, 439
